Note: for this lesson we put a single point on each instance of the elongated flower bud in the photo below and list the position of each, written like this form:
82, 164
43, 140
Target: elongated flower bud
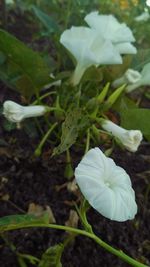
130, 77
16, 113
131, 139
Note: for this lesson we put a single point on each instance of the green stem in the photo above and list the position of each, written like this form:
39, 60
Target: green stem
68, 158
38, 126
87, 141
69, 173
77, 74
82, 213
55, 108
68, 12
27, 257
42, 97
119, 254
78, 96
45, 137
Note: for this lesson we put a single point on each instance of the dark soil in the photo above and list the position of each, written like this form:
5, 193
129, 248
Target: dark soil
26, 179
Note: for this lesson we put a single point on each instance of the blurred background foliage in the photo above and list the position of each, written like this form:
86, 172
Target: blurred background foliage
56, 15
39, 24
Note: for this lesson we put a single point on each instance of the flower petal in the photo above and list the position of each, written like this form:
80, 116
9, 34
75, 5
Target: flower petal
105, 52
109, 28
106, 186
78, 41
125, 48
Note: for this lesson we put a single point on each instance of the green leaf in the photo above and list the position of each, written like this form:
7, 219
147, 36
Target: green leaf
114, 96
52, 257
136, 119
92, 105
103, 93
23, 69
46, 20
70, 131
13, 222
124, 102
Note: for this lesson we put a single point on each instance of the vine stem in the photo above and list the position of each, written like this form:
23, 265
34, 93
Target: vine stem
120, 254
43, 96
87, 141
45, 137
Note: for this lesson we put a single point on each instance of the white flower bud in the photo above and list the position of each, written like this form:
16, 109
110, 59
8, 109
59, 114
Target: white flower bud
130, 77
16, 113
144, 80
131, 139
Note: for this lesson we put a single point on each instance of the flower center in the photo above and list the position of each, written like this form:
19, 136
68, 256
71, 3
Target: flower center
108, 184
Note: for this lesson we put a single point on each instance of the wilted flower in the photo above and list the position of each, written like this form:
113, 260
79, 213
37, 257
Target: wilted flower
134, 79
110, 29
106, 186
129, 77
144, 80
89, 49
16, 113
131, 139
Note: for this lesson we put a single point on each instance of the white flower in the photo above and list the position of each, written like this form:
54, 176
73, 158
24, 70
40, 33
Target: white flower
144, 80
16, 113
143, 17
106, 186
129, 77
131, 139
109, 28
89, 49
148, 2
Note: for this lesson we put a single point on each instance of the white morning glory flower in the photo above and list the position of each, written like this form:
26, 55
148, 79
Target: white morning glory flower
106, 186
129, 77
148, 2
109, 28
144, 80
88, 48
130, 139
16, 113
